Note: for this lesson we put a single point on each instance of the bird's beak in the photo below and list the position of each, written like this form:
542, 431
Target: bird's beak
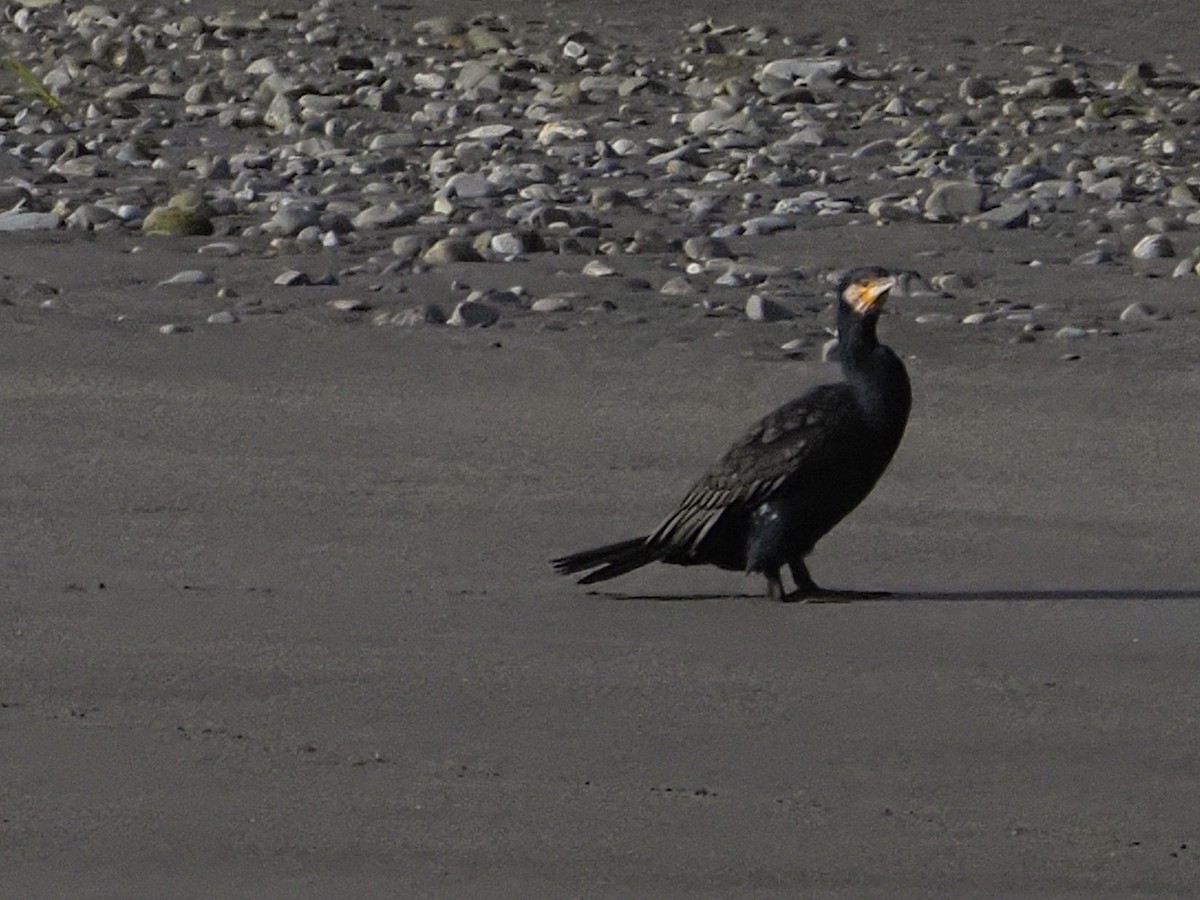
865, 296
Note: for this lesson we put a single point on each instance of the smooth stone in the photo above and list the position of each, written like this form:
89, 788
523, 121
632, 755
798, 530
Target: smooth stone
763, 309
490, 132
979, 318
677, 285
768, 224
803, 71
174, 328
224, 317
1070, 333
1096, 257
706, 247
508, 244
292, 218
451, 250
1010, 214
189, 276
293, 278
470, 314
1154, 246
350, 304
1140, 312
389, 215
552, 305
470, 186
953, 201
220, 248
408, 246
175, 220
599, 269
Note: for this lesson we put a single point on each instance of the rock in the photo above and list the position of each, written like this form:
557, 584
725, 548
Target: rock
350, 304
386, 215
1097, 257
979, 318
174, 220
704, 247
1070, 333
189, 276
677, 285
224, 317
763, 309
174, 328
470, 314
1154, 246
29, 221
509, 244
1010, 214
1140, 312
552, 305
291, 218
451, 250
599, 269
953, 201
293, 278
767, 224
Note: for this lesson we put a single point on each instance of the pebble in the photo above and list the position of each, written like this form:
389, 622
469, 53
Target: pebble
491, 139
763, 309
223, 317
469, 314
30, 221
451, 250
1140, 312
598, 269
1070, 333
350, 304
552, 305
954, 201
293, 278
189, 276
1154, 246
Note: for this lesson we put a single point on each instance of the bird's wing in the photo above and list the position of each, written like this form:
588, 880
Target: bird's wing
790, 444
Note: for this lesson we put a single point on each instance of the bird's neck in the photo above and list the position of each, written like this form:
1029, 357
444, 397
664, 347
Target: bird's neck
857, 342
872, 369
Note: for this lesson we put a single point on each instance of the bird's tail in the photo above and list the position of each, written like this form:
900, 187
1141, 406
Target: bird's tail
609, 561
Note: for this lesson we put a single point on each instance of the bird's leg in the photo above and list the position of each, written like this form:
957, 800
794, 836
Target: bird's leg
809, 591
775, 592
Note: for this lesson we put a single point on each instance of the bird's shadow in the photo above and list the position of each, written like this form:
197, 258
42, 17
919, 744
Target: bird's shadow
979, 596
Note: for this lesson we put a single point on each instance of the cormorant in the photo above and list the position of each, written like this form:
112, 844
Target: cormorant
794, 475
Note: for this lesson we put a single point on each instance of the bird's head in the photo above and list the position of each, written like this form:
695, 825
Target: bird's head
864, 290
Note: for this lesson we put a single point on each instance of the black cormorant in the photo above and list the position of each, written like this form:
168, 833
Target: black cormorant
794, 475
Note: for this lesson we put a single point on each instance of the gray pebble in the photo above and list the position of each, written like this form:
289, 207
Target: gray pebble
293, 278
1097, 257
1154, 246
469, 314
189, 276
451, 250
552, 304
1140, 312
763, 309
953, 201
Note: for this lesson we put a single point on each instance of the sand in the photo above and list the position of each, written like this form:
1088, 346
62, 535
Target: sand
278, 619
